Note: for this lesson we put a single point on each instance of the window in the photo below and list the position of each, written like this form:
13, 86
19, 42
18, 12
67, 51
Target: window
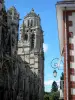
15, 17
31, 30
34, 29
26, 37
32, 40
28, 22
27, 30
31, 22
10, 12
13, 41
35, 22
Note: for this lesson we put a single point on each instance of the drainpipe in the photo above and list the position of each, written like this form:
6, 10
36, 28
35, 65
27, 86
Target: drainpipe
66, 56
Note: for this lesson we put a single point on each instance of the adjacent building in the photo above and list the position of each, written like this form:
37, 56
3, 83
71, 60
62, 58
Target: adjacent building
66, 30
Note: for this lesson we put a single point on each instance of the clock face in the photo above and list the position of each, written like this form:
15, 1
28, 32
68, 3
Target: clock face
0, 6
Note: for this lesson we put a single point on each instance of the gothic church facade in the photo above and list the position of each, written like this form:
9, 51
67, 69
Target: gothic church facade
30, 46
21, 62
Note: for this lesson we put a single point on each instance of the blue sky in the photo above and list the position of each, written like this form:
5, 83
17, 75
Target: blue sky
47, 11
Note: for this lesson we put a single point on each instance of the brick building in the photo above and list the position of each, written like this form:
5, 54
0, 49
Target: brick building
66, 30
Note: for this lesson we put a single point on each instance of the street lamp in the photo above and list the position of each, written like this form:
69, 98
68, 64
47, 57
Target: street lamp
55, 73
57, 63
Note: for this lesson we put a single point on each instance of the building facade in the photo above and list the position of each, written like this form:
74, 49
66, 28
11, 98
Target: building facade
66, 29
30, 48
21, 62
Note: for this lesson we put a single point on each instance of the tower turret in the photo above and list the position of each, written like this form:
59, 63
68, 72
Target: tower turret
0, 5
31, 31
3, 26
13, 24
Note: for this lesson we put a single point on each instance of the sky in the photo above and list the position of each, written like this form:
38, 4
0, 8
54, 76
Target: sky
47, 11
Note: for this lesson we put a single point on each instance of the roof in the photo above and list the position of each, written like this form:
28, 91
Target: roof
66, 2
60, 7
12, 8
32, 14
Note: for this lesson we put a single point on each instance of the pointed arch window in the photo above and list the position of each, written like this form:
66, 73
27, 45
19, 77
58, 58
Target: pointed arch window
31, 22
34, 22
32, 40
26, 37
13, 41
28, 22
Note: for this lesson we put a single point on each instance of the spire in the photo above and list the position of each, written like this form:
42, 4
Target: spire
32, 10
0, 5
3, 5
38, 14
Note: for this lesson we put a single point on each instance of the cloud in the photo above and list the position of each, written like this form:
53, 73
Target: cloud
45, 47
48, 83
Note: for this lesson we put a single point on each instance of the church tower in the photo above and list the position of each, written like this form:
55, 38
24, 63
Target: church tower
13, 25
66, 29
3, 27
30, 47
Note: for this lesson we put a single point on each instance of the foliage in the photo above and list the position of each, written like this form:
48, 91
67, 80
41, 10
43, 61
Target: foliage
55, 95
51, 95
46, 97
62, 76
54, 87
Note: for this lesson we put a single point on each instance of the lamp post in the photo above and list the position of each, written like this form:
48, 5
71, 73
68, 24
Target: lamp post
56, 63
55, 73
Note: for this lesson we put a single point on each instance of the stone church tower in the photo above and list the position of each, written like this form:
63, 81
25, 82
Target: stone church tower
13, 24
30, 47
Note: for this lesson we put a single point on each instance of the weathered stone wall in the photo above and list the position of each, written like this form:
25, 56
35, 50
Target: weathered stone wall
19, 76
18, 81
